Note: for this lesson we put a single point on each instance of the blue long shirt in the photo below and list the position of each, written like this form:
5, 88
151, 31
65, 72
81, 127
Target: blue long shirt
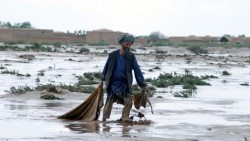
118, 82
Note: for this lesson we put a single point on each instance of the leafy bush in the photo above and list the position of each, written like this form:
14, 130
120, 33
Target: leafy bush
169, 79
41, 73
185, 93
50, 97
82, 50
20, 89
244, 84
197, 50
225, 73
14, 72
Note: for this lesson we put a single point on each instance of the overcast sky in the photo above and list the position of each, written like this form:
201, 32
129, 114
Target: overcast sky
138, 17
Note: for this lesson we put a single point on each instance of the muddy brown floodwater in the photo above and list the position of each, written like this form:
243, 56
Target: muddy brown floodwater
219, 112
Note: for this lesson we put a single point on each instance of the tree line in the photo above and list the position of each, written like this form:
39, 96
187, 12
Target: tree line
25, 24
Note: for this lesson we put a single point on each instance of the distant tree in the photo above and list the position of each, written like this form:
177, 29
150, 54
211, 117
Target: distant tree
16, 25
243, 35
224, 39
79, 32
228, 35
25, 25
156, 36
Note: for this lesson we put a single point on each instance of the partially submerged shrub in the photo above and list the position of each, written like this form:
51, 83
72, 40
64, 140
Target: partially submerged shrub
37, 79
157, 68
70, 59
197, 50
88, 89
14, 72
244, 84
52, 88
89, 78
50, 97
1, 67
27, 56
208, 76
82, 81
20, 89
38, 47
191, 87
170, 79
225, 73
135, 88
41, 73
185, 93
82, 50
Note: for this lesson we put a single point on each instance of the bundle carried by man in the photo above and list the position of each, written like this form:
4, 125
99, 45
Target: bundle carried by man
141, 99
89, 110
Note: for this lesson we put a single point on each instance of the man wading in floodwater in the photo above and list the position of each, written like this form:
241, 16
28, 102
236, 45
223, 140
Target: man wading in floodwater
117, 74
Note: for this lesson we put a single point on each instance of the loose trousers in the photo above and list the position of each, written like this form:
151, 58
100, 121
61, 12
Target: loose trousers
125, 111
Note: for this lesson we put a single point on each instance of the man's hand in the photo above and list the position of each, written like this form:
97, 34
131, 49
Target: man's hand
146, 91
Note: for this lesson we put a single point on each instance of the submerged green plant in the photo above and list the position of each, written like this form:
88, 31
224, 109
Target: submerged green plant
20, 89
225, 73
14, 72
244, 84
41, 73
197, 50
185, 93
50, 97
171, 79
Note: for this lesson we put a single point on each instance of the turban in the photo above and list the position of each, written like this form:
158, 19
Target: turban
126, 38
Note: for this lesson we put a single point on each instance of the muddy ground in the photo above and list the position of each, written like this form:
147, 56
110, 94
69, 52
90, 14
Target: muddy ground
217, 112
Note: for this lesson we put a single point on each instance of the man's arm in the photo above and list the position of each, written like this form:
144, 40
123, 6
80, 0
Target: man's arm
138, 74
105, 69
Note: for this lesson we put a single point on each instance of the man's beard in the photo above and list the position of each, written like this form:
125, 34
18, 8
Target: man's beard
126, 50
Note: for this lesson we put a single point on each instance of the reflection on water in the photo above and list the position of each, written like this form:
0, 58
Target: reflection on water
87, 127
53, 104
16, 107
108, 128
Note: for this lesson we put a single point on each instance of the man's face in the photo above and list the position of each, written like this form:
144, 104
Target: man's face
126, 45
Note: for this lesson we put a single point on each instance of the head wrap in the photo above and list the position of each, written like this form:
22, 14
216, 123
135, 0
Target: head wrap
126, 38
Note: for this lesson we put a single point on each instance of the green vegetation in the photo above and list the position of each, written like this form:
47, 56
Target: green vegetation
2, 67
35, 47
157, 68
225, 73
185, 93
159, 97
78, 88
37, 79
170, 79
92, 75
82, 50
105, 51
16, 25
209, 44
50, 97
136, 88
244, 84
10, 47
14, 72
20, 89
197, 50
159, 43
41, 73
38, 47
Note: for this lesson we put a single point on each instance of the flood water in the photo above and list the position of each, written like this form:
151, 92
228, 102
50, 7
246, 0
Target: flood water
216, 112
